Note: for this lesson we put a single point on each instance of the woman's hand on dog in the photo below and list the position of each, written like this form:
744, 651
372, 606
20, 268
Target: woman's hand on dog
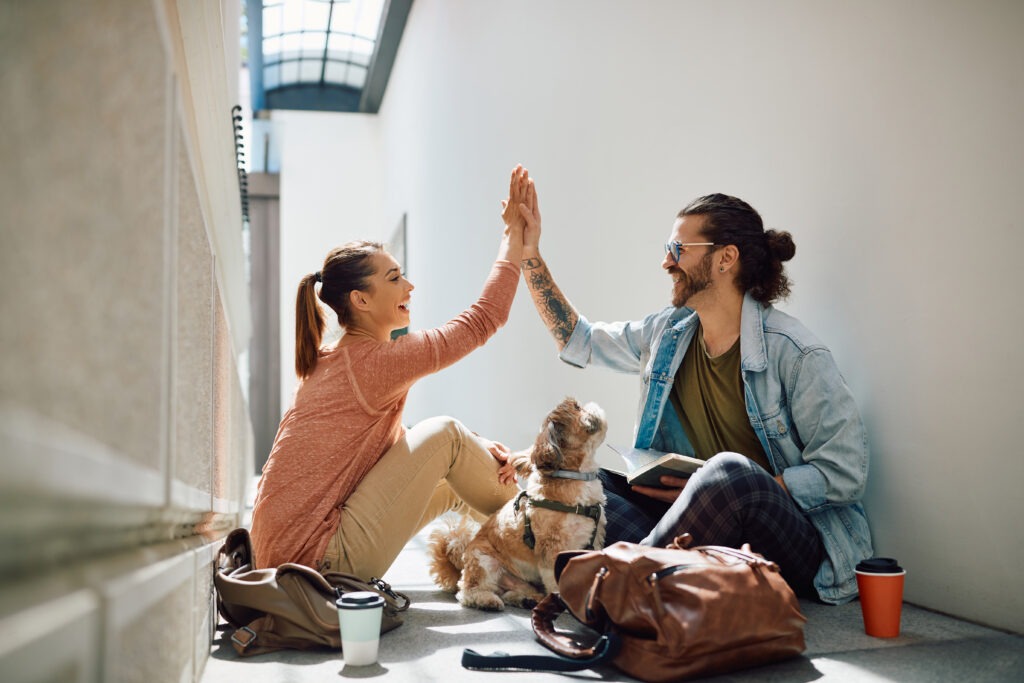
673, 487
501, 453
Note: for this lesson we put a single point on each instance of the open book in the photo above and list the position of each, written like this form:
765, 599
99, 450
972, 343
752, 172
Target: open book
645, 467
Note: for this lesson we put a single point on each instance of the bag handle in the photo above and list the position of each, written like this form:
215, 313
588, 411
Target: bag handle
744, 554
570, 656
543, 621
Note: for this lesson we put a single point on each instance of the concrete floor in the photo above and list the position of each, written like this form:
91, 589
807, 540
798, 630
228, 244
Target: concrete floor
428, 647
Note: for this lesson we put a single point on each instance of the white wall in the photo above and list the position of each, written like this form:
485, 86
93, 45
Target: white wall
331, 193
886, 136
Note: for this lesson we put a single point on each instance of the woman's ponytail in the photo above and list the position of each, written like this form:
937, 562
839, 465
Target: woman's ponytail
309, 326
346, 268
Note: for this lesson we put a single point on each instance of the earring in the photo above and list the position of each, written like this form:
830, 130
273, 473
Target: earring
721, 269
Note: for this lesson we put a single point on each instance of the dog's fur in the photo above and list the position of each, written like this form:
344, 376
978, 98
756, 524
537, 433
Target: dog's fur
495, 567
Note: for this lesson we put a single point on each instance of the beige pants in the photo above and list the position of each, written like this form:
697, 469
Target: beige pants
438, 466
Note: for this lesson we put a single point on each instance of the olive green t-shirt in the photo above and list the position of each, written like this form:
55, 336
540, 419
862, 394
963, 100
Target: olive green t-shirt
708, 397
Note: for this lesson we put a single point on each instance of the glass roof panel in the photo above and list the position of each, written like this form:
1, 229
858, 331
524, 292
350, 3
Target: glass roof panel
357, 76
362, 50
337, 72
309, 71
341, 31
339, 46
322, 55
272, 77
368, 20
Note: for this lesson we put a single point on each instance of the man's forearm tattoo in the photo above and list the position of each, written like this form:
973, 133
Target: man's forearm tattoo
557, 313
531, 263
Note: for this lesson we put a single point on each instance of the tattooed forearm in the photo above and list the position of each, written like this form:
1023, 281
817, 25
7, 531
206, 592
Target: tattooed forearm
531, 263
555, 310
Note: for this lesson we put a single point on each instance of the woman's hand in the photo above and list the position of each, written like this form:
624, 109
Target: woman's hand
513, 207
512, 215
501, 453
673, 487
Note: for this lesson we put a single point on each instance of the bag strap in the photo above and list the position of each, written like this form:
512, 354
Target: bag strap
607, 648
259, 637
569, 655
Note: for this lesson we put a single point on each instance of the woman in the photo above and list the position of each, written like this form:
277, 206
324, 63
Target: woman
346, 485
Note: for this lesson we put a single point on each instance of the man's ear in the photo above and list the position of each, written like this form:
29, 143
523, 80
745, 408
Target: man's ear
728, 258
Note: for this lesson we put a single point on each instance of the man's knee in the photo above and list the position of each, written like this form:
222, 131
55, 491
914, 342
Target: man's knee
729, 461
727, 467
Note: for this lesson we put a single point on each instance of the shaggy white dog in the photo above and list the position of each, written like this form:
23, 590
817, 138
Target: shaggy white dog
511, 558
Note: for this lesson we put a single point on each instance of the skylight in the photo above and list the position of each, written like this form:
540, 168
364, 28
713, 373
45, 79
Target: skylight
318, 41
324, 55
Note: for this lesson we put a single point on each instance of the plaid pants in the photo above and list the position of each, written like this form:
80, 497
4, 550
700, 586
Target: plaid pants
729, 501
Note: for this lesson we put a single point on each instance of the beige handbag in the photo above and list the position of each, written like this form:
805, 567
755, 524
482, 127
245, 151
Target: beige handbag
290, 606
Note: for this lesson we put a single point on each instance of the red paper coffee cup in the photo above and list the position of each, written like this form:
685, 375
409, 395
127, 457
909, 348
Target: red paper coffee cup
880, 582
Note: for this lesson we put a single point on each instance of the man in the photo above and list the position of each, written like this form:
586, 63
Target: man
729, 379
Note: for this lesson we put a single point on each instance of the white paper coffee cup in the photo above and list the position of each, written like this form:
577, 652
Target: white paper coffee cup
359, 616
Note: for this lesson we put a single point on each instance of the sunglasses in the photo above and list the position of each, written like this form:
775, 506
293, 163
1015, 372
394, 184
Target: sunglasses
677, 249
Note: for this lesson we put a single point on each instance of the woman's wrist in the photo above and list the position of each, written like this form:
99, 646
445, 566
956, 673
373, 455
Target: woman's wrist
510, 250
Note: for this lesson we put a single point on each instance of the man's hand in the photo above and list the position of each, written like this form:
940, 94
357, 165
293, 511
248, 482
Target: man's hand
530, 212
673, 487
555, 310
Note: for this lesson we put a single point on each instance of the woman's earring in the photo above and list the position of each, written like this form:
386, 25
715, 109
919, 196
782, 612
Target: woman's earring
721, 269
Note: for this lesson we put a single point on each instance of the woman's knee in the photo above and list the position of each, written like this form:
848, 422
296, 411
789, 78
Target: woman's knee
439, 424
443, 437
436, 431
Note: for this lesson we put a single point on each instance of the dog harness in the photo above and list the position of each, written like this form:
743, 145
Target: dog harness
591, 511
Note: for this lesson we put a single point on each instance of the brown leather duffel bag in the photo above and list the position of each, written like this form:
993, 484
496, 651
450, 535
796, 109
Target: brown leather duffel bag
665, 613
290, 606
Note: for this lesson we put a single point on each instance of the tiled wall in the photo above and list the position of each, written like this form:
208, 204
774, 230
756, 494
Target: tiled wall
125, 441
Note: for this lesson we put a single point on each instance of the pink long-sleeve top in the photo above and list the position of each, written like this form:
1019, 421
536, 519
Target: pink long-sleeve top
346, 415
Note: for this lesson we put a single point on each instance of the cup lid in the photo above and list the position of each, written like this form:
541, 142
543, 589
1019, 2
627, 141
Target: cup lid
360, 600
879, 565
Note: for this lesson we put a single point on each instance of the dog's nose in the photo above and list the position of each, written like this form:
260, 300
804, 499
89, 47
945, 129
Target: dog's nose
595, 410
593, 417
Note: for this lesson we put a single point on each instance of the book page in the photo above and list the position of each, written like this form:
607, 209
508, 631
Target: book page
645, 467
635, 458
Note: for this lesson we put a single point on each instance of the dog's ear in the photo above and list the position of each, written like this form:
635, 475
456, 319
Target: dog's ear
547, 456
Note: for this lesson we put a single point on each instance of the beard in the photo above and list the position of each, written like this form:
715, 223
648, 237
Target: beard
691, 283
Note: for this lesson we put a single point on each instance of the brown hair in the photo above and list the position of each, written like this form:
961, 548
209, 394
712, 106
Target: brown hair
732, 221
346, 268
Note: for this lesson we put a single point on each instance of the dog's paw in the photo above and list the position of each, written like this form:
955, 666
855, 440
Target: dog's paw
520, 599
481, 599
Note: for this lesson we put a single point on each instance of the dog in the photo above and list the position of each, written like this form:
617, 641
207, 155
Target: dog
510, 559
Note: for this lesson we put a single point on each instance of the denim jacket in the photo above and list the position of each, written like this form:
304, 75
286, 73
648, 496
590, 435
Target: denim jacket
797, 402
